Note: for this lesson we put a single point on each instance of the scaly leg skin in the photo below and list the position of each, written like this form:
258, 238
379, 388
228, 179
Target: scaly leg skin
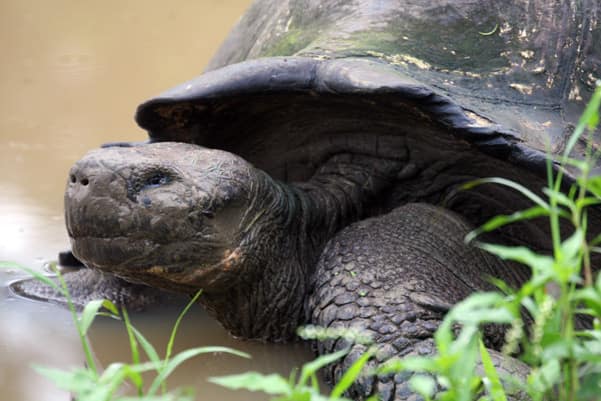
87, 284
394, 277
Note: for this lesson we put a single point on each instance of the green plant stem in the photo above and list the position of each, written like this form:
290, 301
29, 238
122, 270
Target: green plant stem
177, 323
135, 354
567, 332
581, 218
82, 336
554, 219
169, 349
588, 270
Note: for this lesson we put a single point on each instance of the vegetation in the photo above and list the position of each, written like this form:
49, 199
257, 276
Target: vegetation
90, 384
306, 386
563, 360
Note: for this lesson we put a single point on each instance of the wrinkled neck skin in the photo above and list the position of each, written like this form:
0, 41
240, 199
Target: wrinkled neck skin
282, 235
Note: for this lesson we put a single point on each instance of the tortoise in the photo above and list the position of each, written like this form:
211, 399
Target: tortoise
311, 174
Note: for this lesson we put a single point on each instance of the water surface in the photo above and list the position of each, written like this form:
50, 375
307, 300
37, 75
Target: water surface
71, 76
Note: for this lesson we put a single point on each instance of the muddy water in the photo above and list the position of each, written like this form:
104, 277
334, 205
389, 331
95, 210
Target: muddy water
71, 75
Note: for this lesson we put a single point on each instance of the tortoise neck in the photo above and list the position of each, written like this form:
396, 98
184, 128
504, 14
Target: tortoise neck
342, 191
264, 301
283, 235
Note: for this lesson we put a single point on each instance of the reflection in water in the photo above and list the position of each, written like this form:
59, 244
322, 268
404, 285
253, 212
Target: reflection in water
33, 333
71, 76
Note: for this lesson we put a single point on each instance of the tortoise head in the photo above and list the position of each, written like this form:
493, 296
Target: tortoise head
159, 213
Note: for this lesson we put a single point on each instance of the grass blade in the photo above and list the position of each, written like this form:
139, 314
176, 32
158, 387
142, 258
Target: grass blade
511, 184
78, 380
135, 377
351, 375
112, 308
502, 220
89, 314
36, 274
423, 385
519, 254
589, 118
493, 384
82, 337
147, 347
409, 363
253, 381
177, 323
133, 344
171, 364
313, 366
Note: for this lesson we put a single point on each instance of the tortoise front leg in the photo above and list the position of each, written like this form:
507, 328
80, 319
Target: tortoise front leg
394, 277
87, 284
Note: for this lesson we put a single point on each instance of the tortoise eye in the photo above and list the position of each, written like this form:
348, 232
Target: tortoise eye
149, 180
157, 179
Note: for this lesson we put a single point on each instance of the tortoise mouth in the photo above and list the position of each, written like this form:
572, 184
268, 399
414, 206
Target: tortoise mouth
113, 253
173, 267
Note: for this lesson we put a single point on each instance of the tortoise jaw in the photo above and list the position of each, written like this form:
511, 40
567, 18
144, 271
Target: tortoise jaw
213, 277
114, 254
151, 263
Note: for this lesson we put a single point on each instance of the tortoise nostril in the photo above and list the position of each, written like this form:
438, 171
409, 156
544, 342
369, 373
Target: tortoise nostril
85, 181
73, 178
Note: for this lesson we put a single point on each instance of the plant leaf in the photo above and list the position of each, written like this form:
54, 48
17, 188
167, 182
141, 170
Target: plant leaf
36, 274
111, 307
313, 366
351, 374
253, 381
493, 384
423, 385
146, 346
511, 184
171, 364
541, 380
177, 323
77, 381
560, 198
593, 184
520, 254
410, 363
589, 118
572, 246
502, 220
89, 314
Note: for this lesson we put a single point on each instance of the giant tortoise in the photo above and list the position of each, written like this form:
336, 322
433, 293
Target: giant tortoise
311, 174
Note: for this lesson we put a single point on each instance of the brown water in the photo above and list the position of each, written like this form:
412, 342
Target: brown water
71, 75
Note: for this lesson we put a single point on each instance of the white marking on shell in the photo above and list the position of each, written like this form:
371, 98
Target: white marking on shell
522, 88
527, 54
575, 93
477, 120
505, 27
